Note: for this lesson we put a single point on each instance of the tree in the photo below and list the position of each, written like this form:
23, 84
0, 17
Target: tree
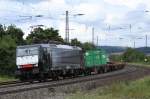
75, 42
132, 55
40, 35
15, 33
10, 37
87, 46
7, 55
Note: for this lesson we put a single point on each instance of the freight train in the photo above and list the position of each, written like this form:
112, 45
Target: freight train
43, 61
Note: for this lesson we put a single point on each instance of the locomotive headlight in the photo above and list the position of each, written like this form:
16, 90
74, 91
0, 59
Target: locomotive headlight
103, 56
86, 54
19, 66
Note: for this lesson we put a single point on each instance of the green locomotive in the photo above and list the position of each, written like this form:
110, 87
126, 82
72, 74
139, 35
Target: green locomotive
95, 60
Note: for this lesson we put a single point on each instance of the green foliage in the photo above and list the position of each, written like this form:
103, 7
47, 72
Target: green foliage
75, 42
16, 34
7, 55
132, 55
87, 46
122, 90
5, 78
115, 58
40, 35
10, 37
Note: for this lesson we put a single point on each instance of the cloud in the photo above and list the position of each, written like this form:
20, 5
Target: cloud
111, 18
132, 4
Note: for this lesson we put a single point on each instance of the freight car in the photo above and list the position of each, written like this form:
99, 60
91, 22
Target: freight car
42, 61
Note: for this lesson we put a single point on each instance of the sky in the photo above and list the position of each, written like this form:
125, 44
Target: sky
116, 22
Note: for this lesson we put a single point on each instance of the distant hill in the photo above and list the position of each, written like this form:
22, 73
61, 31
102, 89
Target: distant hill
118, 49
145, 50
112, 49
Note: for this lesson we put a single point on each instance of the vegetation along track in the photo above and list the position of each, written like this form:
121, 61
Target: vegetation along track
13, 84
128, 73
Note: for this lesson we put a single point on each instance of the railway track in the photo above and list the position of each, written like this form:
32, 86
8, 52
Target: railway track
126, 72
20, 83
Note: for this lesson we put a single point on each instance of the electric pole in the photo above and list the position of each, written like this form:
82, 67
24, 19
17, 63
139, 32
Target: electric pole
130, 26
97, 40
67, 27
93, 35
109, 28
146, 41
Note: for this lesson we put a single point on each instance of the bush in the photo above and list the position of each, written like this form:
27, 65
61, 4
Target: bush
132, 55
7, 55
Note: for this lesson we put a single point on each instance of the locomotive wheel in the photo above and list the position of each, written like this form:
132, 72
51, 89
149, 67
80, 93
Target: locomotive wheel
104, 69
41, 77
96, 70
55, 78
100, 71
22, 78
87, 72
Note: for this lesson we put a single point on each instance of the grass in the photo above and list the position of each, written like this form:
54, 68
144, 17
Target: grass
140, 64
139, 89
4, 78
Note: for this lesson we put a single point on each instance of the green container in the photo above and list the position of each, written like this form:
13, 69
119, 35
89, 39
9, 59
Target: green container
95, 58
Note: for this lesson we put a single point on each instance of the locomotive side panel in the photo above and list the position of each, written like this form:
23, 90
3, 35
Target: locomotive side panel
65, 59
95, 58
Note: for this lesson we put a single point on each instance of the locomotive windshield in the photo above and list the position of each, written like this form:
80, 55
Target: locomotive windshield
27, 51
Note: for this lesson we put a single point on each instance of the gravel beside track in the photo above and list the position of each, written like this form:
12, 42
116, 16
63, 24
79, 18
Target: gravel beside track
128, 73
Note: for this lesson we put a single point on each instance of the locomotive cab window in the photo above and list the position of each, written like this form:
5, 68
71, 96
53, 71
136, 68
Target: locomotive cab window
27, 51
27, 55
